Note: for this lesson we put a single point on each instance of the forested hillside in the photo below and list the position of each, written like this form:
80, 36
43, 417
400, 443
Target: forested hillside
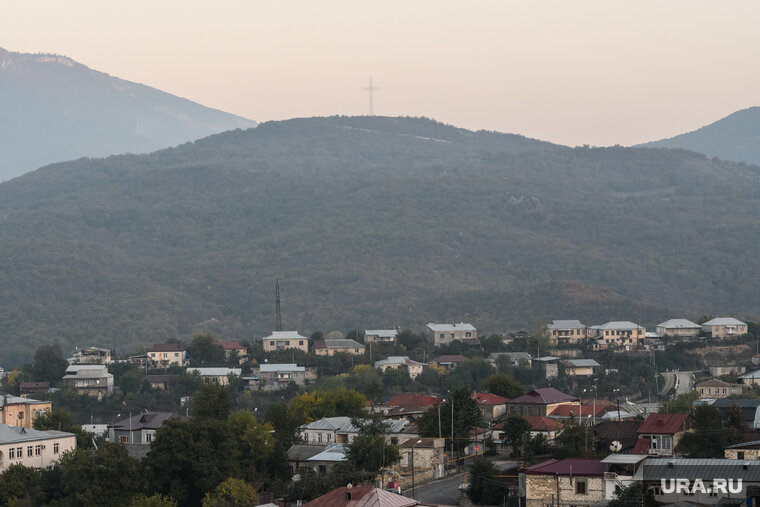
55, 109
369, 222
735, 137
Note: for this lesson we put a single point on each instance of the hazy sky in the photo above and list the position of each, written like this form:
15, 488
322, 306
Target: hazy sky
572, 72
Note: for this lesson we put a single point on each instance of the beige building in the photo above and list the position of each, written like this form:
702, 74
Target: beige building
541, 401
167, 354
567, 331
413, 368
332, 347
427, 456
91, 355
680, 328
380, 336
90, 379
219, 376
715, 388
580, 367
724, 327
283, 340
749, 451
567, 482
446, 333
22, 412
32, 448
622, 334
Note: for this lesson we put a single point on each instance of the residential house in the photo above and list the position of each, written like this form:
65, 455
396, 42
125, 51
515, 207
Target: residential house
540, 402
622, 334
361, 496
90, 379
168, 354
413, 368
444, 334
162, 382
720, 371
139, 429
325, 460
621, 473
219, 376
273, 377
750, 410
751, 378
659, 433
283, 340
715, 388
580, 367
426, 455
590, 410
22, 412
743, 451
539, 425
724, 327
91, 355
563, 332
234, 349
493, 406
448, 362
756, 359
329, 430
406, 406
32, 448
679, 328
298, 454
140, 360
563, 482
548, 366
26, 388
515, 358
380, 336
332, 347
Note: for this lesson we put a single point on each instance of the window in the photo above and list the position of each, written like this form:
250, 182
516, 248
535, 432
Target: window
149, 437
580, 486
468, 334
19, 452
123, 439
37, 450
442, 336
176, 354
56, 448
271, 343
30, 451
11, 453
300, 342
740, 455
319, 438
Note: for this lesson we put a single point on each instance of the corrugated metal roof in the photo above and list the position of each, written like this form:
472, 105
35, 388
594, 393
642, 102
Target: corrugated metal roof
543, 396
724, 321
335, 452
343, 344
384, 333
581, 363
462, 326
12, 434
284, 335
214, 372
397, 360
566, 324
624, 459
583, 467
269, 368
679, 324
621, 325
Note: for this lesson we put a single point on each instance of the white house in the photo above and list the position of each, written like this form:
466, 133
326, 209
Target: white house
446, 333
681, 328
90, 379
413, 368
32, 448
380, 335
216, 375
724, 327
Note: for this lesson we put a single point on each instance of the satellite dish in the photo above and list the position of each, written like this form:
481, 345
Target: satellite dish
616, 446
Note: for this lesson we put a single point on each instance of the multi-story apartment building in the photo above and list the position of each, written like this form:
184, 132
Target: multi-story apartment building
567, 332
622, 334
168, 354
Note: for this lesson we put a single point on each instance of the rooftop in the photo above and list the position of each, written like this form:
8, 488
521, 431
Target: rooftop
341, 344
214, 372
462, 326
284, 335
679, 324
412, 400
543, 396
400, 360
361, 496
12, 434
582, 467
724, 321
166, 347
580, 363
566, 324
384, 333
454, 358
663, 424
231, 345
621, 325
269, 368
489, 399
148, 420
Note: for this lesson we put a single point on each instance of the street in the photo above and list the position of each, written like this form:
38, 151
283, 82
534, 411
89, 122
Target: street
443, 491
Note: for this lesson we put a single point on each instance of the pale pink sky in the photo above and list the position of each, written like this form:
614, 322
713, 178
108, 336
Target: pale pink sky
572, 72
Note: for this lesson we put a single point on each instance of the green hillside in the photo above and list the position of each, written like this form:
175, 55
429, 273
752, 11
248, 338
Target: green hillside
369, 222
735, 137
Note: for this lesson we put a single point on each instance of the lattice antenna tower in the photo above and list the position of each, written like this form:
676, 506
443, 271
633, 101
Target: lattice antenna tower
371, 89
278, 313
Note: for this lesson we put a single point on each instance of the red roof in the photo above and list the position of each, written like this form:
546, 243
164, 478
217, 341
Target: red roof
231, 345
450, 359
412, 400
541, 423
583, 467
489, 399
642, 446
361, 496
663, 424
543, 396
587, 409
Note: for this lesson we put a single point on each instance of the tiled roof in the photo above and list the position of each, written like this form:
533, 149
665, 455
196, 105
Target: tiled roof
714, 382
642, 446
587, 409
489, 399
582, 467
166, 347
541, 423
412, 400
663, 424
360, 496
543, 396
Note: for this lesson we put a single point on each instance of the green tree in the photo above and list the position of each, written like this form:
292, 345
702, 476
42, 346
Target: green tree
255, 443
368, 451
485, 488
707, 440
211, 401
309, 407
60, 419
19, 484
231, 493
471, 374
516, 429
680, 404
49, 364
574, 440
153, 501
467, 415
203, 350
503, 385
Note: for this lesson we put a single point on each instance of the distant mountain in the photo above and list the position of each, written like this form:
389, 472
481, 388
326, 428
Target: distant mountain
736, 137
370, 222
53, 109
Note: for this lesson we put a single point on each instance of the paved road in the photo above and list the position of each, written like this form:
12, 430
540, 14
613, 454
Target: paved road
444, 491
680, 380
670, 381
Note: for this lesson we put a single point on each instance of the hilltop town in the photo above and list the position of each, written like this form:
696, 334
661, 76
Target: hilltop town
292, 418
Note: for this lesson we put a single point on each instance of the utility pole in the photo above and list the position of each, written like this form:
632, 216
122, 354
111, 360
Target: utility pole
371, 89
278, 314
